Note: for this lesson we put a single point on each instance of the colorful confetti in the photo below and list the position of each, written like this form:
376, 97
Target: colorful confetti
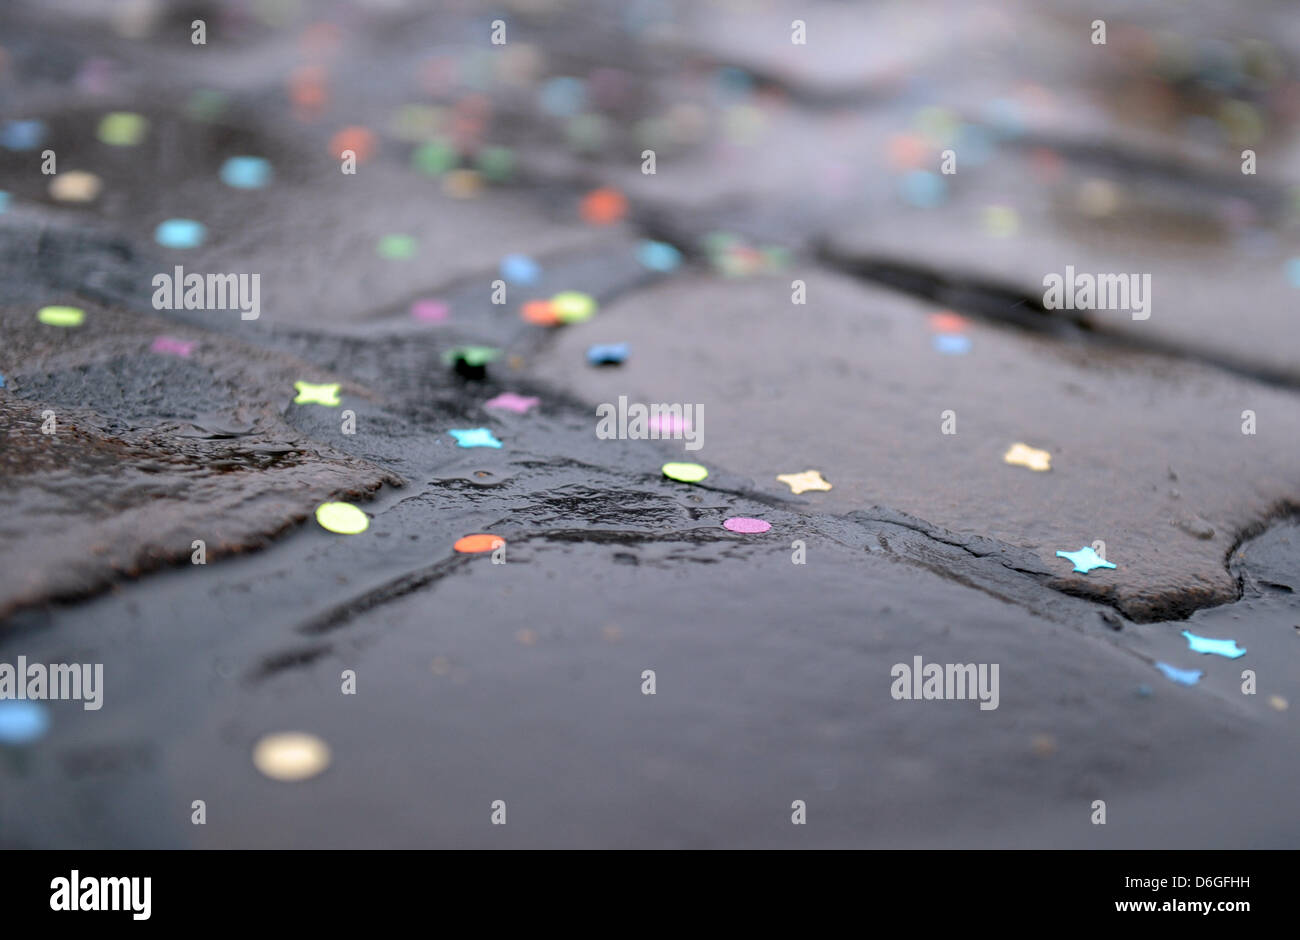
246, 172
61, 316
122, 129
509, 401
430, 311
540, 312
75, 186
746, 525
474, 437
291, 756
22, 135
1022, 455
951, 344
608, 354
312, 394
480, 542
1201, 644
805, 481
573, 307
520, 269
685, 472
1085, 559
1181, 676
397, 247
22, 722
175, 347
342, 518
603, 206
4, 201
180, 233
658, 256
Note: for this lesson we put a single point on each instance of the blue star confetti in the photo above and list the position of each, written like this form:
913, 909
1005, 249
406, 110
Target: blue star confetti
1201, 644
1085, 559
474, 437
1181, 676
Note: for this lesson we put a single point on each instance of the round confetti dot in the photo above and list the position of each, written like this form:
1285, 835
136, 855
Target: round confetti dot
746, 525
945, 321
481, 542
291, 756
4, 200
563, 96
22, 722
22, 135
360, 140
1278, 703
434, 157
396, 247
922, 189
246, 172
1097, 198
462, 184
1293, 271
906, 151
573, 307
180, 233
205, 105
75, 186
430, 311
343, 518
61, 316
540, 312
496, 164
658, 256
952, 344
122, 129
1001, 221
685, 472
603, 206
520, 269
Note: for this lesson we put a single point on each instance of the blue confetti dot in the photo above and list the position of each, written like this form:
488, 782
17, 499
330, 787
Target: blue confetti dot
607, 354
180, 233
1181, 676
1293, 271
922, 189
564, 96
1005, 117
520, 269
952, 344
658, 256
22, 135
4, 200
22, 722
734, 81
246, 172
2, 380
974, 145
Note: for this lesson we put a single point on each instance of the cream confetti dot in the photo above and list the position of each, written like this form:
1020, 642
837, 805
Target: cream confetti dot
1022, 455
291, 755
343, 518
75, 186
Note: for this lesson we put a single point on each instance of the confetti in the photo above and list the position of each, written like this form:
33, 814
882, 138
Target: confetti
1085, 559
473, 357
430, 311
343, 518
658, 256
563, 96
396, 247
573, 307
291, 756
495, 164
2, 380
172, 346
311, 394
520, 269
434, 157
22, 722
540, 312
22, 135
122, 129
462, 184
509, 401
609, 354
922, 189
1001, 221
1278, 703
603, 206
61, 316
952, 344
180, 233
1022, 455
1292, 268
481, 542
1201, 644
359, 140
802, 482
474, 437
4, 200
746, 525
945, 321
75, 186
246, 172
685, 472
1181, 676
667, 425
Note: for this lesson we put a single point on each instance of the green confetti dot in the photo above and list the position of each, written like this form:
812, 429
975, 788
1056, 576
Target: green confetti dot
61, 316
686, 472
343, 518
570, 306
396, 247
205, 105
471, 355
434, 158
122, 129
496, 163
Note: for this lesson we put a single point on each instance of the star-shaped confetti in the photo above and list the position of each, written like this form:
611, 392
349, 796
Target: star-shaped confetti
1181, 676
1202, 644
1085, 559
509, 401
474, 437
309, 394
808, 480
1022, 455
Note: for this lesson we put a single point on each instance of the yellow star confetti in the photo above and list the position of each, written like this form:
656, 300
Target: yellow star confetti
1022, 455
808, 480
291, 756
309, 394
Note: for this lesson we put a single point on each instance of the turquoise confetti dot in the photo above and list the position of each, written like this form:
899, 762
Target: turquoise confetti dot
4, 200
658, 256
180, 233
520, 269
1293, 271
563, 96
474, 437
922, 189
1181, 676
246, 172
1202, 644
22, 722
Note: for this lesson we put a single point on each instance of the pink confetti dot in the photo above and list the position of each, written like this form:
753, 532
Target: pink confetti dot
668, 424
430, 311
173, 346
746, 525
512, 402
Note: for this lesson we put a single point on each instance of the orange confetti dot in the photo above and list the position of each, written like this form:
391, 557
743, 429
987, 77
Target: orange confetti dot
308, 92
945, 321
603, 206
357, 139
906, 151
541, 312
472, 544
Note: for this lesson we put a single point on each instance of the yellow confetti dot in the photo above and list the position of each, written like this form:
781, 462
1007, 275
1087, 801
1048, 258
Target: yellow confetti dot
462, 184
343, 518
1278, 703
291, 755
61, 316
75, 186
801, 482
1022, 455
122, 129
685, 472
1097, 198
1001, 221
